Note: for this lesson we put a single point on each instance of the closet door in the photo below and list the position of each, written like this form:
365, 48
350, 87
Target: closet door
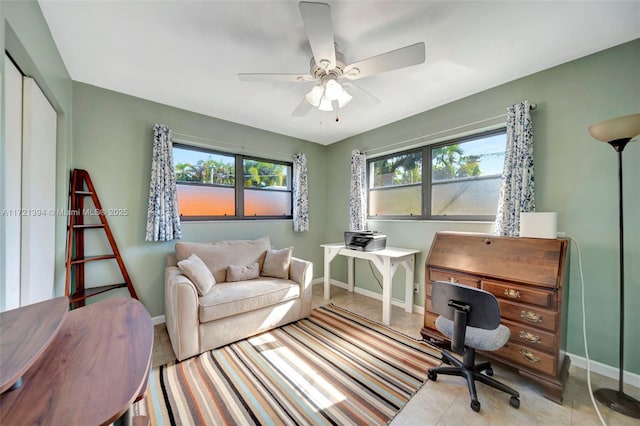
39, 122
13, 183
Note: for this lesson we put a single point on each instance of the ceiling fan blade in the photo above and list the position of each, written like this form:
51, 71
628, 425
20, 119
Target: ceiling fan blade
302, 109
317, 23
296, 78
352, 85
395, 59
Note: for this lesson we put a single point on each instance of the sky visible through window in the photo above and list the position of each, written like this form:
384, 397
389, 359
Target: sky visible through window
192, 157
491, 149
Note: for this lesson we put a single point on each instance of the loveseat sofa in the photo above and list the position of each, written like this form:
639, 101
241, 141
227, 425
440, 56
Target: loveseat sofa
218, 293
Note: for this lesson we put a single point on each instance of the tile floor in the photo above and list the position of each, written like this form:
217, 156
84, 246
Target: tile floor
446, 401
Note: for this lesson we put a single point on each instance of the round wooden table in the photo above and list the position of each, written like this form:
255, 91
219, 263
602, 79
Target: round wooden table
92, 371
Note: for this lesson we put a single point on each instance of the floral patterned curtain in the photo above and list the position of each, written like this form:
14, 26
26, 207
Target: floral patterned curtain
163, 219
300, 194
358, 194
517, 192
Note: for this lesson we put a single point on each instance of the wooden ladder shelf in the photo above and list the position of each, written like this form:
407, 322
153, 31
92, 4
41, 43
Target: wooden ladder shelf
80, 188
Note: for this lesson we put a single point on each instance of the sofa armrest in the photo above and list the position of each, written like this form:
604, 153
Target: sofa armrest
181, 313
301, 271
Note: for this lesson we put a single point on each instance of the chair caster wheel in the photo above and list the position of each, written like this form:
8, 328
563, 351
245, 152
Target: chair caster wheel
489, 371
514, 402
432, 375
475, 406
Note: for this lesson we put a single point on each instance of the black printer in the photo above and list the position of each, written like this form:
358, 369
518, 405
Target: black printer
365, 240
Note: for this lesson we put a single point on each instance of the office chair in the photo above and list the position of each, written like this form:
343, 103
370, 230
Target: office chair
470, 317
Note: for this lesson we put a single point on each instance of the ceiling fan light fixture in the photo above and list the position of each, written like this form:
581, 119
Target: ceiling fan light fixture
333, 89
315, 95
325, 104
344, 98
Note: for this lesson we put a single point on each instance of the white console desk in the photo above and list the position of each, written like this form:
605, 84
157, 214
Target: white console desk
386, 261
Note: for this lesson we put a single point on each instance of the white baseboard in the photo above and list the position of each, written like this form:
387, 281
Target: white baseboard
372, 294
606, 370
158, 320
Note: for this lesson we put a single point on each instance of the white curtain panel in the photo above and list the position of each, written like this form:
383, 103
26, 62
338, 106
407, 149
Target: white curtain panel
300, 194
358, 193
517, 194
163, 219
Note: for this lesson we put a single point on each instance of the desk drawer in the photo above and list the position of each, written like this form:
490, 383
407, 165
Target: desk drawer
530, 336
529, 315
454, 277
520, 293
528, 358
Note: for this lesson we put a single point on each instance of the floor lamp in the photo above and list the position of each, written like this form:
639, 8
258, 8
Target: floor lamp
617, 132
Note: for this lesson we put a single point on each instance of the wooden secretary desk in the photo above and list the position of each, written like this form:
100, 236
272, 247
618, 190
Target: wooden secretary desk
527, 275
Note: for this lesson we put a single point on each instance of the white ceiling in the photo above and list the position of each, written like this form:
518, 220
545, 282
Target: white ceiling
187, 53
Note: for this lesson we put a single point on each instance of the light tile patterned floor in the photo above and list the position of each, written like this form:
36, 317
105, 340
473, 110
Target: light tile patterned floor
446, 401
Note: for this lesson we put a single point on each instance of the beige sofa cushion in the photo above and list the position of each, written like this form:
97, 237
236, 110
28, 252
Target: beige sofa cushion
242, 273
217, 256
276, 263
195, 269
226, 299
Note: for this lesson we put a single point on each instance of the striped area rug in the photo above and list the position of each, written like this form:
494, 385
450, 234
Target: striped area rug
334, 367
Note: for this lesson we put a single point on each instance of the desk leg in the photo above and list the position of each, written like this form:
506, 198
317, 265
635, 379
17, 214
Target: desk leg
327, 273
329, 254
386, 291
408, 284
350, 272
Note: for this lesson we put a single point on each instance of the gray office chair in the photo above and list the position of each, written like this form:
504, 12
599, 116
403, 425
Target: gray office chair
470, 317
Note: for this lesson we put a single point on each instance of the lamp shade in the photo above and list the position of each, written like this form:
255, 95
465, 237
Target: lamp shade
344, 98
333, 90
325, 104
626, 127
315, 95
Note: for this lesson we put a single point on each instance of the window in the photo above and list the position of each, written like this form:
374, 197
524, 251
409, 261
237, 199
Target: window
208, 189
396, 185
267, 188
462, 180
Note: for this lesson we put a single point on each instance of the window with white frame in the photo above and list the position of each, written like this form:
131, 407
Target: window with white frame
208, 189
461, 180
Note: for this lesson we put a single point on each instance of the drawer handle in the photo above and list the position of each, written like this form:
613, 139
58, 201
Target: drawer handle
529, 356
514, 294
530, 316
529, 337
453, 280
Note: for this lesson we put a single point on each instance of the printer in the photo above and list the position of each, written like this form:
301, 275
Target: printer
365, 240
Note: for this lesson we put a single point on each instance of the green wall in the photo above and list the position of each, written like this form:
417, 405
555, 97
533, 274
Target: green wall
113, 139
25, 35
576, 176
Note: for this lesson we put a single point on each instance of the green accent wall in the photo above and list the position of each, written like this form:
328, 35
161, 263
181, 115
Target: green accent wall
113, 140
575, 175
25, 36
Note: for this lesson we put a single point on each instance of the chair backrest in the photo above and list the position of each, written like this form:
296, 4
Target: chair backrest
484, 310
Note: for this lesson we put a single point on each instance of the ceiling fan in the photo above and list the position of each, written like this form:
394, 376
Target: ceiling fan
329, 68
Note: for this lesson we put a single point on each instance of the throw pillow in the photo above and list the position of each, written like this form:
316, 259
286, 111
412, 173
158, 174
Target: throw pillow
243, 273
276, 263
195, 269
